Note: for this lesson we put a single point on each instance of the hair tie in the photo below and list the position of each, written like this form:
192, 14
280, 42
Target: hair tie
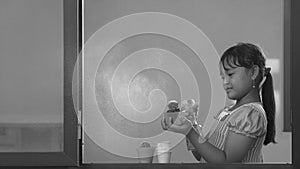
267, 71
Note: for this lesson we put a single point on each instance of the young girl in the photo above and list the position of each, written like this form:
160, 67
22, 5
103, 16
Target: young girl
241, 129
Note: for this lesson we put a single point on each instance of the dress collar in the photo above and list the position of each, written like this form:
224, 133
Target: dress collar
221, 116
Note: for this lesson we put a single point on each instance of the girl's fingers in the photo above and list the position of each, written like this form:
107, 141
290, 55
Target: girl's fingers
183, 128
163, 123
181, 125
170, 121
186, 120
174, 128
166, 123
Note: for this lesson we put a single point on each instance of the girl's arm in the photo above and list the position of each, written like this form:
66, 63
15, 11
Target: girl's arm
236, 147
196, 155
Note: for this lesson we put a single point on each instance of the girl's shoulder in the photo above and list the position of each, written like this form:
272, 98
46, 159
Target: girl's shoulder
251, 107
249, 110
249, 118
245, 109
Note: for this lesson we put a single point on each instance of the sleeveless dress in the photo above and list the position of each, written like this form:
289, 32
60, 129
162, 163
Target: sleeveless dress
249, 120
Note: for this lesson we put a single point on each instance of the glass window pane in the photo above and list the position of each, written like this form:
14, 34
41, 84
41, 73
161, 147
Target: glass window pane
130, 32
31, 75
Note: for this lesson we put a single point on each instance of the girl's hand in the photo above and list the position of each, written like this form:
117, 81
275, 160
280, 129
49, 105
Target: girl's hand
181, 125
167, 121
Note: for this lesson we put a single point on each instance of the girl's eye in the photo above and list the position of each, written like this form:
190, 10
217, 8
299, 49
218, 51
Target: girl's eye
230, 74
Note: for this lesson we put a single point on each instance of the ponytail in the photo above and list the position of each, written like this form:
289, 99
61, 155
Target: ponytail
269, 106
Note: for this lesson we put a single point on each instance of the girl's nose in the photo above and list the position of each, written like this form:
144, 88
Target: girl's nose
225, 80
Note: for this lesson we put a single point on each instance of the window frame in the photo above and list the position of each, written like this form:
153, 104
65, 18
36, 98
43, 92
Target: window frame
71, 156
287, 120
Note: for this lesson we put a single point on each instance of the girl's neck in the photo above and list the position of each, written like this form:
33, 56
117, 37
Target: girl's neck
252, 96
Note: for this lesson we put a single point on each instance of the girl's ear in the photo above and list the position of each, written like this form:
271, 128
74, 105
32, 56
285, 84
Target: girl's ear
254, 72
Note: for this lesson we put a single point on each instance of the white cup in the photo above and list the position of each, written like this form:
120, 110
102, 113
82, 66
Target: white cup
164, 157
163, 152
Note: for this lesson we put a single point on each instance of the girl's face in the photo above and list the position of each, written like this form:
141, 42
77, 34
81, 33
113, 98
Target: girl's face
237, 82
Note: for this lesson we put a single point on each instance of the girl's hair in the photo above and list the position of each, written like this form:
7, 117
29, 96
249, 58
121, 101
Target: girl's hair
247, 55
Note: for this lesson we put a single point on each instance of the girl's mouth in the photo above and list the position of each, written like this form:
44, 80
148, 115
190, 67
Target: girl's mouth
228, 90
